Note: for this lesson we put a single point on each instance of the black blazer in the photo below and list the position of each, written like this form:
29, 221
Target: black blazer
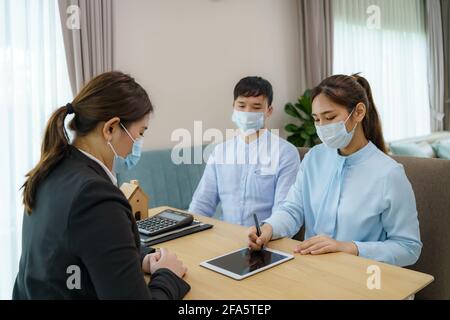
81, 219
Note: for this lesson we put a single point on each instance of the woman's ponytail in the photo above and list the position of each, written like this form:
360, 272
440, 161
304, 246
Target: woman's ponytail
371, 123
54, 148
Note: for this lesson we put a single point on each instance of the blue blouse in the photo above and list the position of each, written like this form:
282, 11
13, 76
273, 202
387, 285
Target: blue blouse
365, 198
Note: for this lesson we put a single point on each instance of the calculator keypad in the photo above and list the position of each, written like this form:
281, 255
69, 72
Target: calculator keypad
155, 225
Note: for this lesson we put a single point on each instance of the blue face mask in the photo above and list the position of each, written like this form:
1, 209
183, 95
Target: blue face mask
335, 135
121, 164
248, 122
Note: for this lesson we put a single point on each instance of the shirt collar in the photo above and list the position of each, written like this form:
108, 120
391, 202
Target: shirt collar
362, 154
262, 138
108, 172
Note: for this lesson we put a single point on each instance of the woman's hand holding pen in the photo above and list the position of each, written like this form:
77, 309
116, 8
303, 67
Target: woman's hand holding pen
255, 242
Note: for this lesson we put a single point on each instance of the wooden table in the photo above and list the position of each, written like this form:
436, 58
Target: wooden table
329, 276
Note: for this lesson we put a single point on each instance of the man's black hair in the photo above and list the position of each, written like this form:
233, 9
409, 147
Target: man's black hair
254, 87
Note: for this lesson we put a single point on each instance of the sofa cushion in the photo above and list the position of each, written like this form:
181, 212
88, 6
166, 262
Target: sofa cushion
421, 149
430, 179
165, 182
442, 149
430, 138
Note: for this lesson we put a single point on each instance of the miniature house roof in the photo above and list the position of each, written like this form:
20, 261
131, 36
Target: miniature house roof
131, 189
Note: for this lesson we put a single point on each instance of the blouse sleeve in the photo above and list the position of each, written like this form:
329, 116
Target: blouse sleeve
402, 246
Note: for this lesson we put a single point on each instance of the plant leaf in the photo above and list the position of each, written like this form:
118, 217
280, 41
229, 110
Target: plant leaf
310, 129
304, 135
292, 128
305, 101
296, 140
290, 110
304, 105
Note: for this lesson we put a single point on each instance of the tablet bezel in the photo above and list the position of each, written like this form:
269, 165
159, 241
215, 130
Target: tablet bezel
236, 276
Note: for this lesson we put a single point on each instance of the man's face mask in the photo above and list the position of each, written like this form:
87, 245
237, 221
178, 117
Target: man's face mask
248, 122
121, 164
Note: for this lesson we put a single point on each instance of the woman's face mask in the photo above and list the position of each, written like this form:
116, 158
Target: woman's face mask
121, 164
335, 135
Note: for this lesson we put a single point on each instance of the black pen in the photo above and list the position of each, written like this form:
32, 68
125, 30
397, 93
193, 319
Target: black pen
258, 229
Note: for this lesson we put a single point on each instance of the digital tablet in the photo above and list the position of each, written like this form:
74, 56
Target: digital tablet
244, 262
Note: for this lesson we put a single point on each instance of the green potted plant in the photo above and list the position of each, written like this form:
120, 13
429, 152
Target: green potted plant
304, 133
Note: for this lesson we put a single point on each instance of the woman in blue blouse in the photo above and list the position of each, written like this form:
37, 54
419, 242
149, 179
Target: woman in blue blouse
350, 196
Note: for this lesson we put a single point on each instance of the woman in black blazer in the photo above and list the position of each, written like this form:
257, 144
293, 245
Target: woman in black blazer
80, 239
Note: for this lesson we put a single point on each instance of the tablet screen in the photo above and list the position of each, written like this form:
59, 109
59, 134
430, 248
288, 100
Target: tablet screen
245, 261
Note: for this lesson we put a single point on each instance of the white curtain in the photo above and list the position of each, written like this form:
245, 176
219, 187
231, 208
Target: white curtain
33, 82
386, 41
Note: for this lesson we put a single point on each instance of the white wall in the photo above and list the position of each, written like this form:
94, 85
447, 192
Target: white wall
189, 54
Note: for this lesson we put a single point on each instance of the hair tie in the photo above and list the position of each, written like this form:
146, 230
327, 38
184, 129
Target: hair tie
70, 108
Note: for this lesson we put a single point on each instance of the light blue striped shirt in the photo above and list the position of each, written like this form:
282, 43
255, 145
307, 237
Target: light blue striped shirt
246, 178
365, 198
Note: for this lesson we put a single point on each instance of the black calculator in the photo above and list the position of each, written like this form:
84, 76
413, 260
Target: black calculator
164, 221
